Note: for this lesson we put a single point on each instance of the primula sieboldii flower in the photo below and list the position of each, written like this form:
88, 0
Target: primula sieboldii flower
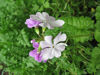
46, 20
32, 23
35, 44
49, 49
34, 53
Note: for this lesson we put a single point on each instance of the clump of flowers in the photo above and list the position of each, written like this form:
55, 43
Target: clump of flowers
48, 47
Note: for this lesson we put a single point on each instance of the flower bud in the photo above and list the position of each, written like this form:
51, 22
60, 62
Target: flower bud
43, 29
37, 31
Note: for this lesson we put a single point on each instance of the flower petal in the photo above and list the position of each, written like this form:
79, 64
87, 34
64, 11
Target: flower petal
44, 44
46, 53
49, 26
42, 25
48, 39
58, 23
34, 17
35, 45
50, 53
32, 41
40, 16
44, 61
33, 53
46, 15
60, 37
38, 57
51, 18
56, 53
32, 23
60, 46
47, 42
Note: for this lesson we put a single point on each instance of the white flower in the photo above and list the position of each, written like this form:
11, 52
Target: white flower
46, 20
54, 49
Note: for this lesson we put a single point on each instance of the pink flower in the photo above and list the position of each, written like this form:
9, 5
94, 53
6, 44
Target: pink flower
34, 53
46, 20
32, 23
35, 44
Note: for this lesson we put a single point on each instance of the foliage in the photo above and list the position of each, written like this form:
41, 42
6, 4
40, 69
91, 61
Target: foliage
82, 26
97, 31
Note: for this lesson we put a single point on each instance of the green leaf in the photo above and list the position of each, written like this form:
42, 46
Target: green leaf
97, 35
97, 13
23, 38
78, 28
97, 18
41, 1
97, 31
95, 57
46, 4
97, 25
1, 67
98, 72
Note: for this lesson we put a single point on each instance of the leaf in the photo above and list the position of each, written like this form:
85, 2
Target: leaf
41, 1
95, 57
97, 35
94, 63
78, 28
23, 38
97, 13
97, 25
98, 72
1, 67
46, 4
97, 18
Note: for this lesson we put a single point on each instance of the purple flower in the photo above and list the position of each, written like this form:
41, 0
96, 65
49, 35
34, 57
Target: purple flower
32, 23
35, 44
35, 54
46, 20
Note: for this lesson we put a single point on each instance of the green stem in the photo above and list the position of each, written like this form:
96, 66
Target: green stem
83, 55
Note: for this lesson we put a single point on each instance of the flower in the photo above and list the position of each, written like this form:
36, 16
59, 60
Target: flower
34, 53
35, 44
32, 23
46, 20
49, 49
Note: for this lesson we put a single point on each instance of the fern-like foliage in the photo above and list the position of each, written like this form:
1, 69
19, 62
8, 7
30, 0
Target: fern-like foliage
80, 56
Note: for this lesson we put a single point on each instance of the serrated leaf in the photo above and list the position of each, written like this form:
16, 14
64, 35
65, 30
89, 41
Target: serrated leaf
78, 28
23, 38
